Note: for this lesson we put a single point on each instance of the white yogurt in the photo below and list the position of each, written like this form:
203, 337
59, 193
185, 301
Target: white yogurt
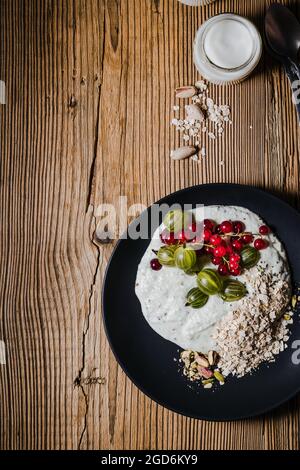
162, 294
228, 44
227, 48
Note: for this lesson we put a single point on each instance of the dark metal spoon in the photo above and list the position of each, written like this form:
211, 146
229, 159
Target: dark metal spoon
283, 31
282, 37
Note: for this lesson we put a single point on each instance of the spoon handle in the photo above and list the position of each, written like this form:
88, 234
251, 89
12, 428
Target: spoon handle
293, 73
295, 68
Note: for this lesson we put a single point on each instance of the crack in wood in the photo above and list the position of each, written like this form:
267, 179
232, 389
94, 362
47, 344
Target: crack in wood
79, 381
93, 164
97, 132
85, 415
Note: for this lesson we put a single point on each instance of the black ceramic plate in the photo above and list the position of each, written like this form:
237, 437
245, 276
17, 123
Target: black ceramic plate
148, 359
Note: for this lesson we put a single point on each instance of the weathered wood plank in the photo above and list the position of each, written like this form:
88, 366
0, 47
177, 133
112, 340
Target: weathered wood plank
89, 102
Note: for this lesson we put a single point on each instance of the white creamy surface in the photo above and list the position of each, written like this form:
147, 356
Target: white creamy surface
162, 294
228, 44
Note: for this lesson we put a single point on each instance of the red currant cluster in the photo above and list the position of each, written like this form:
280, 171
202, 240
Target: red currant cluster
223, 242
192, 233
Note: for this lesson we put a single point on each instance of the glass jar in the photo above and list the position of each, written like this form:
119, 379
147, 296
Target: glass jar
227, 48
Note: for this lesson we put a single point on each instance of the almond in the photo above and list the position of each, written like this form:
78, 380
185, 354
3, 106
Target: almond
186, 92
183, 152
194, 113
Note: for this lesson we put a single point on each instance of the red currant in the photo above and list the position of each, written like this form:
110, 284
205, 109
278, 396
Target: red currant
233, 265
208, 249
220, 251
238, 226
218, 229
237, 244
260, 244
207, 234
215, 260
234, 258
208, 224
247, 238
215, 240
181, 237
193, 228
226, 227
264, 230
155, 264
223, 269
168, 238
187, 235
236, 271
229, 249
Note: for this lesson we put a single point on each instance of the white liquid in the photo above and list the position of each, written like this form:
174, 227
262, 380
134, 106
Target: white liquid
228, 44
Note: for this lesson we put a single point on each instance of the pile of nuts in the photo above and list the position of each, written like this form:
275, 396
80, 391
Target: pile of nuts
201, 368
202, 116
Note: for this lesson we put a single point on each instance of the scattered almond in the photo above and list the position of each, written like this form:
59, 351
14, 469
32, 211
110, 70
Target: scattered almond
186, 91
204, 117
194, 113
183, 152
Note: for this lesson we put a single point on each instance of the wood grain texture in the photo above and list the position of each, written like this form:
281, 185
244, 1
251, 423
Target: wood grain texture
87, 118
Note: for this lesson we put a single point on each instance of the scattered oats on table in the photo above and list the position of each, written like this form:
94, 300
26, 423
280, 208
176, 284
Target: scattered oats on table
202, 116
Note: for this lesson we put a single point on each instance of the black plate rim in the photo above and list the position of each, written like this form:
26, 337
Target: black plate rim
119, 360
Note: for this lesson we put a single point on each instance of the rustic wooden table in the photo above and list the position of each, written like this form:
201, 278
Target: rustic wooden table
89, 96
